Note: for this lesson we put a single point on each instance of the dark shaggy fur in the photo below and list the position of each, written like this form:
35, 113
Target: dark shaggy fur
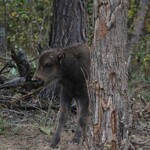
71, 66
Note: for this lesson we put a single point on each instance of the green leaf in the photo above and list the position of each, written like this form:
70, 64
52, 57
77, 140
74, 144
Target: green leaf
13, 72
45, 130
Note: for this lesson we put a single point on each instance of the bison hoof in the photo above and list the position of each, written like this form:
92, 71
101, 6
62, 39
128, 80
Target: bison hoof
54, 142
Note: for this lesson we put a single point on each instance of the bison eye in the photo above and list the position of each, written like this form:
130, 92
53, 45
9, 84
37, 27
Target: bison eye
48, 66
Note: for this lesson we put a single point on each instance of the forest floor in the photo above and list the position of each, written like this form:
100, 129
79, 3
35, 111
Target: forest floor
29, 136
32, 129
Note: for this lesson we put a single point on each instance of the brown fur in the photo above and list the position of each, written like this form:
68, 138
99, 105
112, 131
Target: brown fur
71, 66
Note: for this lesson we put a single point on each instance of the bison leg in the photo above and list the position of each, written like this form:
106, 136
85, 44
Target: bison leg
83, 105
62, 117
77, 134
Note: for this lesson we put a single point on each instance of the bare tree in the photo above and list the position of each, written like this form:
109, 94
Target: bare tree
109, 99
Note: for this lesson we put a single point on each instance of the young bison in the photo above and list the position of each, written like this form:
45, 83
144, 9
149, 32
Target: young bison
71, 67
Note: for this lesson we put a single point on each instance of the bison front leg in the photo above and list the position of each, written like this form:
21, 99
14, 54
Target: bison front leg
83, 109
62, 117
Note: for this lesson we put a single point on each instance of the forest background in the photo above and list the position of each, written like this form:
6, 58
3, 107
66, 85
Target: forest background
28, 23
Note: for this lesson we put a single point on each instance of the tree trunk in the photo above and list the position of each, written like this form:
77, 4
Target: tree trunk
109, 100
138, 27
2, 40
69, 23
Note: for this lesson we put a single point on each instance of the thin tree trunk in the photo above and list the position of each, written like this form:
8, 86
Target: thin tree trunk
69, 23
109, 100
138, 24
5, 24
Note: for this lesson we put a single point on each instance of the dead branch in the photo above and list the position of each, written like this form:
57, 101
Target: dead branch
31, 93
14, 111
140, 143
5, 58
13, 83
22, 63
138, 89
7, 64
33, 59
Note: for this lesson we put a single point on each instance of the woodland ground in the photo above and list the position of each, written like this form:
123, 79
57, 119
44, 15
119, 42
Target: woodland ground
32, 129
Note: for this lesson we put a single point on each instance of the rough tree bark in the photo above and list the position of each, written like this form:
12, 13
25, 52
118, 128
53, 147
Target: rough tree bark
109, 100
69, 23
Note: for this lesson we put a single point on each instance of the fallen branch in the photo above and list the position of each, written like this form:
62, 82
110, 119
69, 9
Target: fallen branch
31, 93
7, 64
5, 58
13, 83
138, 89
14, 111
140, 143
22, 63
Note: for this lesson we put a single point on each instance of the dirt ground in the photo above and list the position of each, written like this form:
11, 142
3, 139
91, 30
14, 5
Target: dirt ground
29, 138
140, 129
33, 129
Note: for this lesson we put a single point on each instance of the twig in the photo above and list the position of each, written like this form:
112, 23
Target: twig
31, 93
138, 89
18, 81
5, 72
6, 97
130, 144
5, 58
22, 98
36, 57
143, 101
140, 143
14, 111
7, 64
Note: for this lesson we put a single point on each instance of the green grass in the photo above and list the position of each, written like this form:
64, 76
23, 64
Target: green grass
2, 126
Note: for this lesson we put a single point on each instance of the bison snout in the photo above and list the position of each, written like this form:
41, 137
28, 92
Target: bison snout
37, 80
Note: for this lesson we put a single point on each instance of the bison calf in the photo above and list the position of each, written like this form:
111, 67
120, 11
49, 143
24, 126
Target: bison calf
71, 67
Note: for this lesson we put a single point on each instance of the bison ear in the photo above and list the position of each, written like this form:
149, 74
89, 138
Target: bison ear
61, 56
